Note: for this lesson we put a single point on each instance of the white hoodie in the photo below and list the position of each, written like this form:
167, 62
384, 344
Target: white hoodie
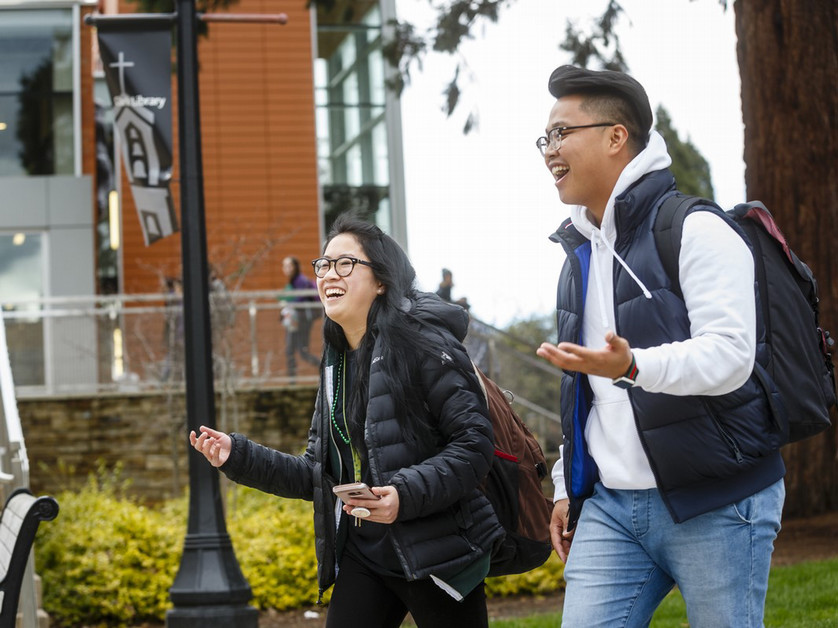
717, 281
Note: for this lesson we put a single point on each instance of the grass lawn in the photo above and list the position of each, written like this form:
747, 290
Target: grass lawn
799, 596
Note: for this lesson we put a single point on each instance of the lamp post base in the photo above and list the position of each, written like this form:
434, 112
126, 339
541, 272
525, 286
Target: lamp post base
210, 590
213, 617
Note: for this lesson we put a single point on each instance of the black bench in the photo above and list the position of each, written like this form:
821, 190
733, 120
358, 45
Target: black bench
22, 515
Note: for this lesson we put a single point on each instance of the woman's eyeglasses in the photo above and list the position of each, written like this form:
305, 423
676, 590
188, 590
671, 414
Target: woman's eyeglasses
344, 265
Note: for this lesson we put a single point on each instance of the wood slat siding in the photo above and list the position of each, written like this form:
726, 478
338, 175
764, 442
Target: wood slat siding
259, 154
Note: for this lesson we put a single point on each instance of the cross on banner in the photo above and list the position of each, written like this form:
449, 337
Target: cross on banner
121, 65
137, 67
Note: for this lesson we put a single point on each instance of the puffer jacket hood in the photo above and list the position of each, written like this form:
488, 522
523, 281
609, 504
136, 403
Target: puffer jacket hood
435, 312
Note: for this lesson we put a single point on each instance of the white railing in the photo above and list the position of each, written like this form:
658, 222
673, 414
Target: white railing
122, 343
96, 344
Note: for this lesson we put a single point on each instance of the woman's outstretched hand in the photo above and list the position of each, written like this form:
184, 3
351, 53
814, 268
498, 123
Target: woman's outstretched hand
214, 445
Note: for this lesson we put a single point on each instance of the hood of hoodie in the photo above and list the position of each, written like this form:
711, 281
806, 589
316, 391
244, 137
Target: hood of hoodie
653, 157
433, 311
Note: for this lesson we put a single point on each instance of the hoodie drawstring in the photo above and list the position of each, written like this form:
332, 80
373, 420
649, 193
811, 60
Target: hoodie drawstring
596, 238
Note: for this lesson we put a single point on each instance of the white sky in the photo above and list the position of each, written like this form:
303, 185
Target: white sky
484, 204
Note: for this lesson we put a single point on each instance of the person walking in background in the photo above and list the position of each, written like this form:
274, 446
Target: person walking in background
400, 408
297, 320
670, 471
444, 290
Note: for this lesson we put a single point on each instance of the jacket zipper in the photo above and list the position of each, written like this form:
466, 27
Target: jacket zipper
729, 440
570, 252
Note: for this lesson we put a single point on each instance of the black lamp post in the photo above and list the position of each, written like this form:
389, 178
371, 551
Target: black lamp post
209, 589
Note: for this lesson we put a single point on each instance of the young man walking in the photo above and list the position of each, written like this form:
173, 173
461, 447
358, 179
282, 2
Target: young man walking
670, 471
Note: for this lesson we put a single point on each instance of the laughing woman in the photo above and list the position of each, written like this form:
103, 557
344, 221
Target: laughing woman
399, 408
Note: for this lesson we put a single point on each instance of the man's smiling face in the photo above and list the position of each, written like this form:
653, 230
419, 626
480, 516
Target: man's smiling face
577, 166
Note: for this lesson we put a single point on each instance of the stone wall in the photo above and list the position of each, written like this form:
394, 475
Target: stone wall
69, 438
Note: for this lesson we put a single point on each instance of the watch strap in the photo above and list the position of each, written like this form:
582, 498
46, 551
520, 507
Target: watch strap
629, 378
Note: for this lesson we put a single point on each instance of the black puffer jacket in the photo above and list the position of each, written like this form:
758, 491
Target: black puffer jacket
445, 522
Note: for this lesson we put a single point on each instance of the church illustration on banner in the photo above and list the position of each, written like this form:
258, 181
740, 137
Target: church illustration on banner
142, 165
148, 177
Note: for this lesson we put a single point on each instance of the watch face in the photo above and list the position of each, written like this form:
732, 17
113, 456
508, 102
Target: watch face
623, 382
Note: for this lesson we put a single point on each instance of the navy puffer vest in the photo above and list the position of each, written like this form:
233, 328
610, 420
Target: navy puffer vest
705, 451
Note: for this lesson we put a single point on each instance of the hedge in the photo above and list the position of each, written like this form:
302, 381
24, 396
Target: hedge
109, 560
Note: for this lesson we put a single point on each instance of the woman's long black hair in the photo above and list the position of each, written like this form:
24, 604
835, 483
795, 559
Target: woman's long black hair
390, 320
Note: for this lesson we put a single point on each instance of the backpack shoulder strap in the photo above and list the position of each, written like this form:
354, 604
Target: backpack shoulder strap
668, 228
669, 225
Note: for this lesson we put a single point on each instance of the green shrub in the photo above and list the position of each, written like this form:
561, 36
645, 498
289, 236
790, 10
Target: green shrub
546, 579
108, 560
274, 543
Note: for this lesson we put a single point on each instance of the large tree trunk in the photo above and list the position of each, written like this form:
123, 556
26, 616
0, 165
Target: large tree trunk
788, 62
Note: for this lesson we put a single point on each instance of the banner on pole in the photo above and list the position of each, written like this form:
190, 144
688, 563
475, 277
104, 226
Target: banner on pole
137, 62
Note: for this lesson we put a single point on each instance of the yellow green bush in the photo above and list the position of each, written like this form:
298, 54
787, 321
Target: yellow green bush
108, 560
546, 579
274, 543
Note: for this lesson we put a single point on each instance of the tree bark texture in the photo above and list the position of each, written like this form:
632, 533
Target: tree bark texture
788, 61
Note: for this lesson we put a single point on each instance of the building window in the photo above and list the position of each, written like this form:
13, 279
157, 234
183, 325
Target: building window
36, 92
352, 146
21, 275
108, 210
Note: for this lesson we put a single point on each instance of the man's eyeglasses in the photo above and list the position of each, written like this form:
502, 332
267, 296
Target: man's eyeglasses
344, 265
555, 136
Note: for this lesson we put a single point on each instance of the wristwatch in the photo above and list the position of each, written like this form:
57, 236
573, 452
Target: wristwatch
629, 378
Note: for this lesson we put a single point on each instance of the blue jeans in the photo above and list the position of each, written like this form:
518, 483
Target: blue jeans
627, 554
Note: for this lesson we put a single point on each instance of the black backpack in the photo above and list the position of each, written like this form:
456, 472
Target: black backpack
800, 362
513, 487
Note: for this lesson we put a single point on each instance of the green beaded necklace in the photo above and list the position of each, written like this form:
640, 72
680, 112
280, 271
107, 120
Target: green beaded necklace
341, 387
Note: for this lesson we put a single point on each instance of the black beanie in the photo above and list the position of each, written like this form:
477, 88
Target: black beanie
567, 80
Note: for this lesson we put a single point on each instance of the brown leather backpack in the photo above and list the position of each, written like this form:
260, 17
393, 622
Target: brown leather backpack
513, 486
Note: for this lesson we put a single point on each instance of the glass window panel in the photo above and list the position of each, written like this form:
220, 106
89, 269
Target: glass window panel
382, 217
376, 73
347, 52
353, 161
373, 18
62, 134
36, 82
9, 159
21, 275
62, 61
354, 166
381, 160
351, 123
324, 171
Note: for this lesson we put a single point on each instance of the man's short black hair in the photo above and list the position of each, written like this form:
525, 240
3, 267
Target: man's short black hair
612, 89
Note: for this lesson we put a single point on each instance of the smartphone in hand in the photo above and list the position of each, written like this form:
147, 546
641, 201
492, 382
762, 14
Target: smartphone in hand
358, 490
